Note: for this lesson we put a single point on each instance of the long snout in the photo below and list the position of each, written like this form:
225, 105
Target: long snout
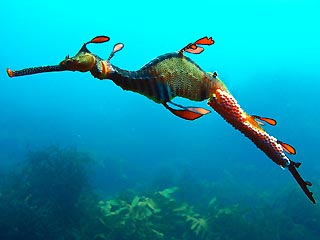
35, 70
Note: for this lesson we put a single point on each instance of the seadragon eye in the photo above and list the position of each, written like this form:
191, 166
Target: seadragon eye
69, 63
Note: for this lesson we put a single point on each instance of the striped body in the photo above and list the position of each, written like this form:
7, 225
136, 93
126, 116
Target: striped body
226, 105
164, 78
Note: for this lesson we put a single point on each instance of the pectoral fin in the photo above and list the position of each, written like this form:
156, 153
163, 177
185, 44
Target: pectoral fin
188, 113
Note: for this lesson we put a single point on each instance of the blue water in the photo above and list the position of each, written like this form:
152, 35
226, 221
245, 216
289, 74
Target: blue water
267, 53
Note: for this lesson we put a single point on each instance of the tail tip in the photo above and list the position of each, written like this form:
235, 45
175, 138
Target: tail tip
297, 164
9, 72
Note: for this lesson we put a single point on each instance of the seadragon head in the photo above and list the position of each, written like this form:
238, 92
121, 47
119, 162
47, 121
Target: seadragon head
83, 61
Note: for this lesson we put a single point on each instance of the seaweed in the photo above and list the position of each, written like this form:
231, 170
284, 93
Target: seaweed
44, 199
50, 197
157, 216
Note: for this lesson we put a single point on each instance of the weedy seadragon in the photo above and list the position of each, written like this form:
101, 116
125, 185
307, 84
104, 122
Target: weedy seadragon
175, 75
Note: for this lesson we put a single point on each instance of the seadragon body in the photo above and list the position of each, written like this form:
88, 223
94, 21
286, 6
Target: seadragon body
171, 75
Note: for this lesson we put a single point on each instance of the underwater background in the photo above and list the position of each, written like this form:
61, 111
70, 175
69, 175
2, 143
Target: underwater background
82, 159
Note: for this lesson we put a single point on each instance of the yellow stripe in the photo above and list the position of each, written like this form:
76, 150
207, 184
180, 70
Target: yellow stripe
104, 67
